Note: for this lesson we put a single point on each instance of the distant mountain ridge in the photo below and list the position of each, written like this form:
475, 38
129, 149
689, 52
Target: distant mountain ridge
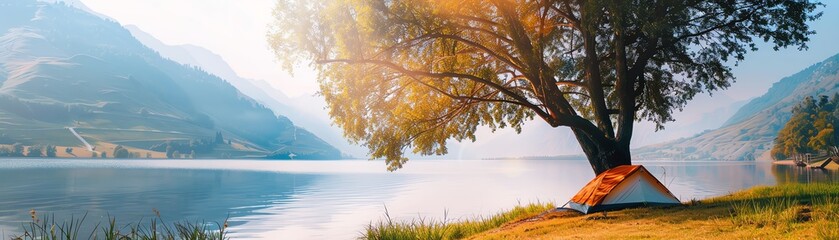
775, 94
750, 133
79, 5
65, 67
200, 57
302, 110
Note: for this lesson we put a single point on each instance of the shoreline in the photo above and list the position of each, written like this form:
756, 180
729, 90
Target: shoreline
788, 211
784, 162
831, 166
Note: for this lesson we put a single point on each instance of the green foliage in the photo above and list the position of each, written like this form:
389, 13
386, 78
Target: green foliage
444, 229
193, 147
121, 152
811, 128
94, 155
50, 150
35, 151
409, 75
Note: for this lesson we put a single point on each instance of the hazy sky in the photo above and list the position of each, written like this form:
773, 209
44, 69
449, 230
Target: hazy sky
233, 29
236, 31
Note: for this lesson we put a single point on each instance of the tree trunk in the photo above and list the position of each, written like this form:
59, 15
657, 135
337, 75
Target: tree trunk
603, 155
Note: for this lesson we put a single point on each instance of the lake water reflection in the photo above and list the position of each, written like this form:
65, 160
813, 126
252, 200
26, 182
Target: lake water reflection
328, 199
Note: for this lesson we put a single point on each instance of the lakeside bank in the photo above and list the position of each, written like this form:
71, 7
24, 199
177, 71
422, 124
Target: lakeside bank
789, 211
831, 166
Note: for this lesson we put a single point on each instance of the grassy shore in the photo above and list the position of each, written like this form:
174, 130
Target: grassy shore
445, 229
47, 228
794, 211
830, 166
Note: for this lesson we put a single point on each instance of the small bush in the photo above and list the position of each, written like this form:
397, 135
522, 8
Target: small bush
35, 151
50, 149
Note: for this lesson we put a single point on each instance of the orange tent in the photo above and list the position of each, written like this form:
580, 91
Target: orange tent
622, 187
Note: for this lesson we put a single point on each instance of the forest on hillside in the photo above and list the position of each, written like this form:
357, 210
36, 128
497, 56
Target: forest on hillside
811, 128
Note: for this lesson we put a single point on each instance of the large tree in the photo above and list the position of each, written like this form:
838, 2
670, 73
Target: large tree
411, 74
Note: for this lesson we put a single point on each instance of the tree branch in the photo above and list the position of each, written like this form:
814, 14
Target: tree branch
520, 100
572, 83
595, 80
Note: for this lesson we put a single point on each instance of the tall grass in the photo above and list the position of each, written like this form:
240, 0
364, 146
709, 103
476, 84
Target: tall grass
46, 228
828, 231
785, 206
423, 228
775, 212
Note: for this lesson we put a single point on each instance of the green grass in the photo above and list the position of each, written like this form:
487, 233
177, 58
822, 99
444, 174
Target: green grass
131, 135
423, 228
787, 206
55, 136
46, 228
787, 211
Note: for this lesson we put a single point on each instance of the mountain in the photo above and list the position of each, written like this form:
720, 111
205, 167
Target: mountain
779, 91
305, 111
64, 67
79, 5
749, 133
209, 61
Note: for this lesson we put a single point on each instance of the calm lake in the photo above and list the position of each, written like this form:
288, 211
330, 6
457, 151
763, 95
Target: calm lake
328, 199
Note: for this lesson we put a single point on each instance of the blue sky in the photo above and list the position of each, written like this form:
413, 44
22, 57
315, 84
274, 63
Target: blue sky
236, 31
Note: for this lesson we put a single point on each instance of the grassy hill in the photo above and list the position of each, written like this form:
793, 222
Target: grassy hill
63, 67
